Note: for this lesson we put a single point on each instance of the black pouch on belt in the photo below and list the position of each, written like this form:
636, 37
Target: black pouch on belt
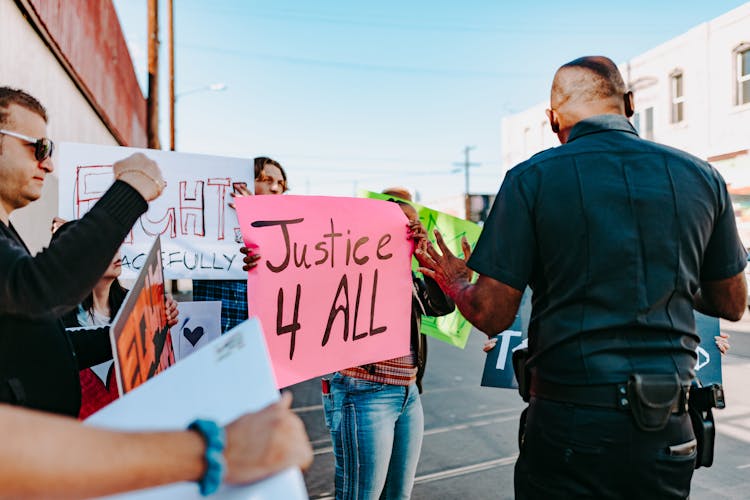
522, 372
652, 399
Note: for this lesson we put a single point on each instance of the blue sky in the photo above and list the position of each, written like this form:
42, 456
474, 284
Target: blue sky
363, 95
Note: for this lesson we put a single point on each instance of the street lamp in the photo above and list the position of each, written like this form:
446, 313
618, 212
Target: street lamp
214, 87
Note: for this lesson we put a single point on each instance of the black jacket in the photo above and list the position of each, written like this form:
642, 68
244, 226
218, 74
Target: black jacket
39, 361
428, 300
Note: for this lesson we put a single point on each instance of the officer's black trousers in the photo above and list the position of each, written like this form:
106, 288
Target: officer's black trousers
585, 452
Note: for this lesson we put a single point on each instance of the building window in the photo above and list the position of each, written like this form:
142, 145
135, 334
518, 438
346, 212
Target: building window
648, 123
678, 97
742, 66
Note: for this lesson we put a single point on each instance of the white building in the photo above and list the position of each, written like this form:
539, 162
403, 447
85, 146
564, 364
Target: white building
692, 92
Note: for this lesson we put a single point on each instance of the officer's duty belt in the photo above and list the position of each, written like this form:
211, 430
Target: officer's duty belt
613, 396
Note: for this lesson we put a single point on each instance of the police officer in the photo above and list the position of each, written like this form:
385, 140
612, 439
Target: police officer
619, 238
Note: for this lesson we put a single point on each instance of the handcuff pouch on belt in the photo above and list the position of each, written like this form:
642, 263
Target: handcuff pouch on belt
702, 399
653, 398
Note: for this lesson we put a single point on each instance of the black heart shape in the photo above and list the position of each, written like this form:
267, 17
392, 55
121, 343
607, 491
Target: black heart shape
193, 336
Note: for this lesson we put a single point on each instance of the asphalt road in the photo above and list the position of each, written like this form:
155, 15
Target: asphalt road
470, 442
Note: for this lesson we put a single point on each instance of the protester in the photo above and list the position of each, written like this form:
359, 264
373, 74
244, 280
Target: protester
619, 239
45, 456
98, 309
270, 178
39, 362
374, 412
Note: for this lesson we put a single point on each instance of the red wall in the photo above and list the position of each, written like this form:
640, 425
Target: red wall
89, 37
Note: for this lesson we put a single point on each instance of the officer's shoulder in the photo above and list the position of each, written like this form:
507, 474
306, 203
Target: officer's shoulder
682, 157
533, 161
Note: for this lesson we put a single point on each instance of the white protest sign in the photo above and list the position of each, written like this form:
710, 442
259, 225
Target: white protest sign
227, 378
198, 323
199, 231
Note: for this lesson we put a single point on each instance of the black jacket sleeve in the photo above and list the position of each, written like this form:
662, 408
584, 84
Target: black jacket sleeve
59, 277
91, 345
434, 301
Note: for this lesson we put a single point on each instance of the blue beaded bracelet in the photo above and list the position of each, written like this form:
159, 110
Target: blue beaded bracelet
216, 467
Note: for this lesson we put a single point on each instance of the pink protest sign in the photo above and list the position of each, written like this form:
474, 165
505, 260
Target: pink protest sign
333, 287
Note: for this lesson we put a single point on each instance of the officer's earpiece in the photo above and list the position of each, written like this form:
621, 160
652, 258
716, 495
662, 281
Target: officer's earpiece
628, 98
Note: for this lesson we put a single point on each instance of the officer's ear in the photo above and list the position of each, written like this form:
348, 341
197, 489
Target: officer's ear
553, 123
629, 103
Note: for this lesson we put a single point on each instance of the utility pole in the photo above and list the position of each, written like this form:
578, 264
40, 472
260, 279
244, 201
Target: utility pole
152, 103
466, 166
170, 22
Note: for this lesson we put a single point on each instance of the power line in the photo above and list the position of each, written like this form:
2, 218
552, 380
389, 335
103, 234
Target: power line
511, 29
357, 66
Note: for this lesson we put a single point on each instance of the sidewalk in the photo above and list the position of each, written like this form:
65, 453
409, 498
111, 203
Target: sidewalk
734, 420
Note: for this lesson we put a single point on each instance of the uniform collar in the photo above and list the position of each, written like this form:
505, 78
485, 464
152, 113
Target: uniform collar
601, 123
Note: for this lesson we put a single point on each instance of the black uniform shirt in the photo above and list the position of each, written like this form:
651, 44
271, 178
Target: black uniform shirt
614, 235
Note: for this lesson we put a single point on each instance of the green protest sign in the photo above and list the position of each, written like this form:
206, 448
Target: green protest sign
453, 328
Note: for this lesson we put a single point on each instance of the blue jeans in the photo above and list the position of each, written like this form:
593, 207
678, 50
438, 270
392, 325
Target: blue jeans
376, 431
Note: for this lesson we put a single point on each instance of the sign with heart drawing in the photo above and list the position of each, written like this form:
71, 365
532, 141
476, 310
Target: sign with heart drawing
198, 323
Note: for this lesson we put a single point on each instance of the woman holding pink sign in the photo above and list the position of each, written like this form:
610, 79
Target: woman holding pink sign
374, 412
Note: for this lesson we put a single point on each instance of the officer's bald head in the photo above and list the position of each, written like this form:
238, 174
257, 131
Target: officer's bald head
585, 87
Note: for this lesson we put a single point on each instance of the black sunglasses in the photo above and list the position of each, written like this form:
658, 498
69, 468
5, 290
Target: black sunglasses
43, 147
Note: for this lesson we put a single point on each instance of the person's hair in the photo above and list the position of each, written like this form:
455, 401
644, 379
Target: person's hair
10, 96
117, 292
262, 161
398, 192
604, 75
401, 203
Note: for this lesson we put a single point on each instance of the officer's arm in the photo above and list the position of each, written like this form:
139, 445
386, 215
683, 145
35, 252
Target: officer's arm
725, 298
488, 304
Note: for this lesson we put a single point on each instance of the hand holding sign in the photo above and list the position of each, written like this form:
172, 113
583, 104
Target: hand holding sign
172, 311
250, 261
274, 432
143, 175
722, 342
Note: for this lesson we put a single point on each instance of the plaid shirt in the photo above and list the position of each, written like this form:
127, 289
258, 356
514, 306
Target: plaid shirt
233, 297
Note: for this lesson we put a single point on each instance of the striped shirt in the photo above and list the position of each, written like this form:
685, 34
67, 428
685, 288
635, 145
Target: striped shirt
397, 371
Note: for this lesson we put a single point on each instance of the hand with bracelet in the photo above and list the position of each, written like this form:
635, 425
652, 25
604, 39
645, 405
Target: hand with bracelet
79, 461
142, 173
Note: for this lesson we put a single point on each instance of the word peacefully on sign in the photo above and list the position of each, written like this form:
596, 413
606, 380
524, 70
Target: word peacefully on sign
141, 341
333, 288
199, 231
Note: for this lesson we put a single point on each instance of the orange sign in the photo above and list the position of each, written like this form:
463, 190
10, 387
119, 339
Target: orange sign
141, 341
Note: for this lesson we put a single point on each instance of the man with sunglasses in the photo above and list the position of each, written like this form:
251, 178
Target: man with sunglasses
39, 362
